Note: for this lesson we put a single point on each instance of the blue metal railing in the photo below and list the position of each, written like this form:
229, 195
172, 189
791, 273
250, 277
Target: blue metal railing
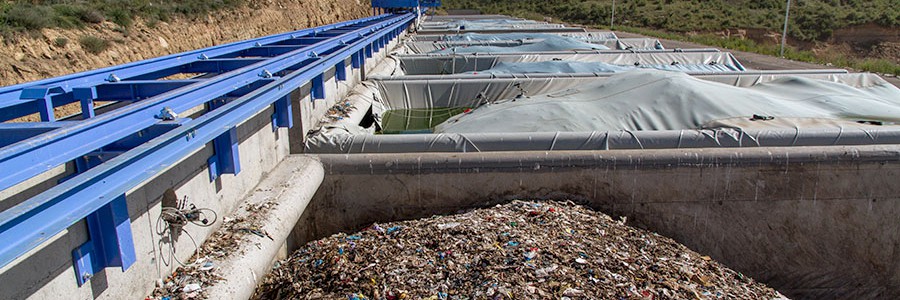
13, 106
39, 154
405, 3
98, 192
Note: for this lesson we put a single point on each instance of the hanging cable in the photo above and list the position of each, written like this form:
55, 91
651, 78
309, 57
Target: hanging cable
171, 223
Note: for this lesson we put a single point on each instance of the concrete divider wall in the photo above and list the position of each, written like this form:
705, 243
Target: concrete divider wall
47, 271
812, 222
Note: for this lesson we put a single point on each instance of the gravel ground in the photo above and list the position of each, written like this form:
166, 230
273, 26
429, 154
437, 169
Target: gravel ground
521, 250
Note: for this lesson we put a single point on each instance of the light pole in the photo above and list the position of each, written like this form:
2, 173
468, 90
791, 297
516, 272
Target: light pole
787, 13
612, 17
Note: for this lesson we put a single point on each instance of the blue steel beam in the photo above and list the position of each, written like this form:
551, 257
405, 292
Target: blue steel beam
34, 156
11, 106
34, 221
136, 90
302, 41
218, 65
11, 133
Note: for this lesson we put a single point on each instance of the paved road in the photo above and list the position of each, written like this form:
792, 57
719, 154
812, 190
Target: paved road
748, 59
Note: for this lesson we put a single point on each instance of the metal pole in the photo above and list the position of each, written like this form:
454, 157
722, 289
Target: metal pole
612, 17
787, 13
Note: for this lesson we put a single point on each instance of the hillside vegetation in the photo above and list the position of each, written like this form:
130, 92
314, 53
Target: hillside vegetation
21, 15
700, 21
811, 20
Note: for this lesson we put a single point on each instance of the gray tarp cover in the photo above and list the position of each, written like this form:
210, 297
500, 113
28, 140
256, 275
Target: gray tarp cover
436, 65
607, 39
487, 24
547, 43
657, 100
569, 67
602, 35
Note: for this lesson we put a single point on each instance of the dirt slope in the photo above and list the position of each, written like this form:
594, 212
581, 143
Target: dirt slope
40, 55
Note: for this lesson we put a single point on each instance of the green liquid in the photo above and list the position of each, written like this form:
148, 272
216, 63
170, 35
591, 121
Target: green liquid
420, 120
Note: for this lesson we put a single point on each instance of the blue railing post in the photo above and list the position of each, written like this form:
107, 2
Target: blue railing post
226, 159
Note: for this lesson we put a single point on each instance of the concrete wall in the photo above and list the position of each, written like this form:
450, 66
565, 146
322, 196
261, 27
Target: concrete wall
312, 110
812, 222
47, 271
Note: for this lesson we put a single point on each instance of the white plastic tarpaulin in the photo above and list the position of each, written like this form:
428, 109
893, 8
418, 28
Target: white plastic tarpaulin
463, 92
453, 64
655, 100
569, 67
729, 131
418, 47
548, 43
487, 24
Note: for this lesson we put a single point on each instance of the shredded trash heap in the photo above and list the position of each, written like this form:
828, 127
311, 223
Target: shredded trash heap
520, 250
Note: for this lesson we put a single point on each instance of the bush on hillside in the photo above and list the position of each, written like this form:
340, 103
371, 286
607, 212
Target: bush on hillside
92, 44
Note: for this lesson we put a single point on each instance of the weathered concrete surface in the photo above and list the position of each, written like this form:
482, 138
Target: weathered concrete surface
290, 186
813, 222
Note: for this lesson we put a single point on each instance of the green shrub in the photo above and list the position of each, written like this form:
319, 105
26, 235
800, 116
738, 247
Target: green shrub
60, 42
92, 16
119, 16
31, 17
92, 44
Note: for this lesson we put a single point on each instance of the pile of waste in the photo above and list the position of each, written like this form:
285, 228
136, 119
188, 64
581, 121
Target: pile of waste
191, 279
532, 250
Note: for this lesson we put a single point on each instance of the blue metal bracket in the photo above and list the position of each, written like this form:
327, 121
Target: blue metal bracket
355, 60
283, 117
368, 50
111, 243
86, 96
318, 87
41, 95
340, 70
226, 159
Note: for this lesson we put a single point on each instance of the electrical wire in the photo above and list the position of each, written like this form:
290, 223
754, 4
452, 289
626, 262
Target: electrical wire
171, 223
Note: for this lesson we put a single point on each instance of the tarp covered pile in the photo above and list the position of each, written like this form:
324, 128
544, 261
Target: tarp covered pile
658, 100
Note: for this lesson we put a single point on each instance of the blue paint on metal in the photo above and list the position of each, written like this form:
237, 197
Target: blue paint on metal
283, 116
41, 97
405, 3
218, 65
139, 138
11, 133
111, 243
355, 61
47, 151
138, 89
226, 159
318, 87
86, 96
340, 70
35, 220
11, 106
